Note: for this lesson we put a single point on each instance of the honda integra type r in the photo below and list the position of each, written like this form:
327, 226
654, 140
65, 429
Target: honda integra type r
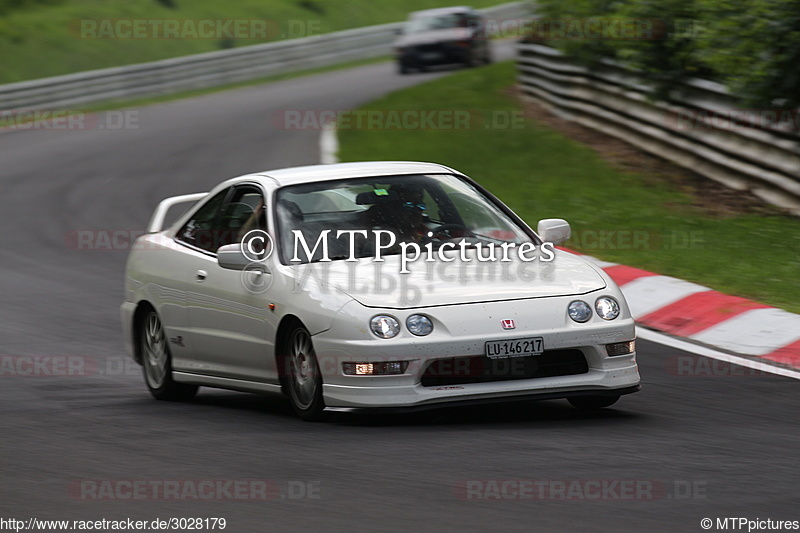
396, 285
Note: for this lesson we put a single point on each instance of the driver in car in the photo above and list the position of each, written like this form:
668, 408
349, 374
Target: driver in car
410, 219
403, 213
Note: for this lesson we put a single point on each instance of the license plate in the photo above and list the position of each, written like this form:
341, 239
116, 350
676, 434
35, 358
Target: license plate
430, 56
514, 348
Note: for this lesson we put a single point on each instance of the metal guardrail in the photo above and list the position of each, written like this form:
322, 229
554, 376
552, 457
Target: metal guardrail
688, 130
211, 69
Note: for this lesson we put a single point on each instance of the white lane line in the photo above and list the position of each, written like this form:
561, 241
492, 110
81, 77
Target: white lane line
666, 340
651, 293
755, 332
328, 144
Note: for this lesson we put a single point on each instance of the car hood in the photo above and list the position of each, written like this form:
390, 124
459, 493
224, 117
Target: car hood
433, 36
435, 283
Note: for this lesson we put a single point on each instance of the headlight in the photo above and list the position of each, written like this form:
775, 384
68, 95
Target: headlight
607, 308
419, 325
384, 326
579, 311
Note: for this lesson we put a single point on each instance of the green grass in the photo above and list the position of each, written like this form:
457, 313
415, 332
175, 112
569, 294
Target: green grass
46, 40
541, 174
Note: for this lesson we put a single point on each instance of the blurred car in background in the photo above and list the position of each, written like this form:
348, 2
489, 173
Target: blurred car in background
449, 35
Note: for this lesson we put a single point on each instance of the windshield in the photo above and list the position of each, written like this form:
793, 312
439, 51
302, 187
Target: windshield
386, 211
440, 22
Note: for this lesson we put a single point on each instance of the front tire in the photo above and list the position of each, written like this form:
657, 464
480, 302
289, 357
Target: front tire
157, 362
303, 377
592, 403
472, 59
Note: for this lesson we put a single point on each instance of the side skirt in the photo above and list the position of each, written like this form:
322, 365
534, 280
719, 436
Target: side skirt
226, 383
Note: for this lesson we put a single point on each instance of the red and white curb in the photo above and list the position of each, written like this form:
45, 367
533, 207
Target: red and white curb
690, 311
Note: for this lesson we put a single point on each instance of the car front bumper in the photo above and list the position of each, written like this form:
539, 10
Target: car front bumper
596, 382
465, 339
433, 54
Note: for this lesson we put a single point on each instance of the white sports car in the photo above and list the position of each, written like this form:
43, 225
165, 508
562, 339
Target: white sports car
371, 285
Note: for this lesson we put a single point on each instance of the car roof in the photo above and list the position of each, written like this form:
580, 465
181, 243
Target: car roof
313, 173
440, 11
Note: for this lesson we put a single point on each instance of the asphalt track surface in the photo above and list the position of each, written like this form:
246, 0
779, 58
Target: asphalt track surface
702, 439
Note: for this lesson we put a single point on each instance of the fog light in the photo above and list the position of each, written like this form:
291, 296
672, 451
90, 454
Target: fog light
374, 369
621, 348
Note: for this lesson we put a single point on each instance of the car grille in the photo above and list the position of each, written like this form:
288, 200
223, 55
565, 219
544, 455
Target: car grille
428, 48
481, 369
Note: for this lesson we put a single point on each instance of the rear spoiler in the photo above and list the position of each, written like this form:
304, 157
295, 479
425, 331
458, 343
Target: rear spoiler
157, 220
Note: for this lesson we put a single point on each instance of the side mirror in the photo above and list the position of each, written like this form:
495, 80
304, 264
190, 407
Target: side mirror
555, 230
230, 256
398, 31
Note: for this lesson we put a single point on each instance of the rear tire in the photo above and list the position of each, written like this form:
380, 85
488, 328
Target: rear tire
157, 362
303, 378
592, 403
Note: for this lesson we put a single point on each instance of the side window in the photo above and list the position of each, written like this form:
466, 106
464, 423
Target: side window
225, 219
200, 230
244, 212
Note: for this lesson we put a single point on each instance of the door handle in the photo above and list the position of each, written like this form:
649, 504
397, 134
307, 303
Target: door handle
200, 275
